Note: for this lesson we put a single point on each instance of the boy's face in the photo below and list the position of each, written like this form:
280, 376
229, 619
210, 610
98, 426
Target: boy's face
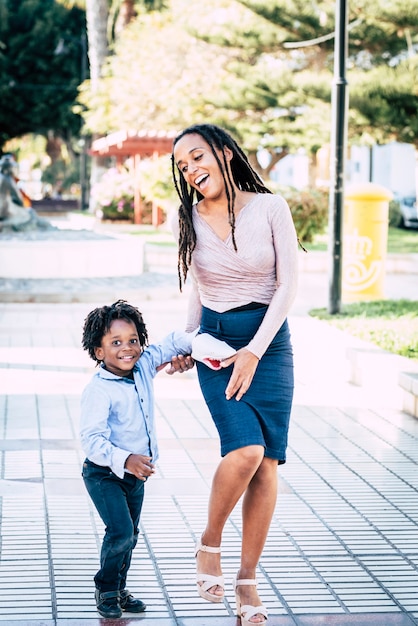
120, 348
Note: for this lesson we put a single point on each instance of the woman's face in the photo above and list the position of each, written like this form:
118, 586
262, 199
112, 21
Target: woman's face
197, 164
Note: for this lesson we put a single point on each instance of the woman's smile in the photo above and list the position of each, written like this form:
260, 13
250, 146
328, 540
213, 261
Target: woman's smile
202, 182
199, 166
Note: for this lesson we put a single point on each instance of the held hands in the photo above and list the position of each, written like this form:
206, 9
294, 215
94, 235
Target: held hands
178, 364
140, 466
245, 364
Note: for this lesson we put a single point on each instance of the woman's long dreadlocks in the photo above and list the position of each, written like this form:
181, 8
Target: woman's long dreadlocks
243, 176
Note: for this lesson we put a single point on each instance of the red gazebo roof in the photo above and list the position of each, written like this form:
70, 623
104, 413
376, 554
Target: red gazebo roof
137, 144
131, 142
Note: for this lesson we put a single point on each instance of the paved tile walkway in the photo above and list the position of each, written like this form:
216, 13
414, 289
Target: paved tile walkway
343, 546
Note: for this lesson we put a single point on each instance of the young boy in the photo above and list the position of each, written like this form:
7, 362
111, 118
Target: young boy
118, 436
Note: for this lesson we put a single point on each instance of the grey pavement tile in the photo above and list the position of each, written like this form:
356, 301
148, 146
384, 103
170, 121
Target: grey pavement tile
374, 603
95, 620
409, 603
32, 621
273, 620
369, 619
341, 541
70, 486
329, 610
36, 614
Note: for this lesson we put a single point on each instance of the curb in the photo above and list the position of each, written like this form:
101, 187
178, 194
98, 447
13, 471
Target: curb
149, 285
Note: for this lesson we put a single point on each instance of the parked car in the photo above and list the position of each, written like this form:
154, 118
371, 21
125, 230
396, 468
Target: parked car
409, 211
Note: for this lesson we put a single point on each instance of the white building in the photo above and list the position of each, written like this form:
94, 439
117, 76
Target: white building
292, 171
392, 165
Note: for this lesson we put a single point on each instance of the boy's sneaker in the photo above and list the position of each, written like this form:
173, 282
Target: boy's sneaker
108, 603
129, 603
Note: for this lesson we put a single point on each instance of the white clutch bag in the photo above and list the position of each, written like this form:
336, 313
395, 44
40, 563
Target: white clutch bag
210, 351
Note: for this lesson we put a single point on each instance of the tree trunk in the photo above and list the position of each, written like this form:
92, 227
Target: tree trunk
313, 170
265, 172
53, 146
97, 13
125, 15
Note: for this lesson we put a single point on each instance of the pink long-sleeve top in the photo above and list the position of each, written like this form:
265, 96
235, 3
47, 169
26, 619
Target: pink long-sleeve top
263, 269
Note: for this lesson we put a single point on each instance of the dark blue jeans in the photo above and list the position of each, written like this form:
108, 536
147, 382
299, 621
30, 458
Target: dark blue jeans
119, 504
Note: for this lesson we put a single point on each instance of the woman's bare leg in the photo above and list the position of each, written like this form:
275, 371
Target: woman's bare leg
257, 511
231, 479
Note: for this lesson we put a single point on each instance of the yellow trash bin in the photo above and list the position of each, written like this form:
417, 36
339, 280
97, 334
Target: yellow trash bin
365, 235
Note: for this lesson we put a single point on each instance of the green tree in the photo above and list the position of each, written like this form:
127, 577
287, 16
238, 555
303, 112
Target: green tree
106, 23
382, 60
40, 68
262, 69
156, 77
235, 74
279, 84
384, 102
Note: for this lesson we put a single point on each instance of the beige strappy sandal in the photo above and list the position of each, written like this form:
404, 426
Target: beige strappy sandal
206, 581
246, 611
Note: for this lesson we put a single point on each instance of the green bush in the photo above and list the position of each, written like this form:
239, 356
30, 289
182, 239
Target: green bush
114, 195
123, 210
118, 209
309, 209
157, 182
395, 215
61, 174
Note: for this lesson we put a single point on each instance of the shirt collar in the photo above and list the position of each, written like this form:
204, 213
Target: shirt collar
104, 373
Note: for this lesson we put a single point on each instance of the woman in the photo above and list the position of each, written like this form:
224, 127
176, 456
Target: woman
239, 243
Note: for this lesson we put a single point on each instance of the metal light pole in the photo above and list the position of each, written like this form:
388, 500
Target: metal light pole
338, 150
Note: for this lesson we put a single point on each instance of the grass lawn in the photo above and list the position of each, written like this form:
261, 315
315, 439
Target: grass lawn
400, 241
390, 324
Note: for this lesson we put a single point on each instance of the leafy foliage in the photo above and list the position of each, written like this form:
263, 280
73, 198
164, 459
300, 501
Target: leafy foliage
155, 64
263, 70
395, 215
157, 182
114, 194
309, 208
387, 97
382, 66
40, 67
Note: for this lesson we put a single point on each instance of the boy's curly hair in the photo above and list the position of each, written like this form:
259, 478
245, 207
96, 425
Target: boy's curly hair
98, 321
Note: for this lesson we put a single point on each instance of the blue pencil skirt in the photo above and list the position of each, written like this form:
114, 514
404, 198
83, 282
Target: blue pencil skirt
262, 415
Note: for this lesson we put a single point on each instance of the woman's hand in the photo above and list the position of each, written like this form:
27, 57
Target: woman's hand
178, 364
245, 364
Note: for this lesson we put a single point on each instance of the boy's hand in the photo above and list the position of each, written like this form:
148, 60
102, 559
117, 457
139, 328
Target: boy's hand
140, 466
179, 364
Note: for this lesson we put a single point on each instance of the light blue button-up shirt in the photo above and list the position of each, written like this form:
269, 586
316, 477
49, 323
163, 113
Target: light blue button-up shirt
117, 413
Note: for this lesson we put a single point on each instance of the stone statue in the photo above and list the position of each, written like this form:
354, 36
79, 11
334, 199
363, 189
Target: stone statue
14, 216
